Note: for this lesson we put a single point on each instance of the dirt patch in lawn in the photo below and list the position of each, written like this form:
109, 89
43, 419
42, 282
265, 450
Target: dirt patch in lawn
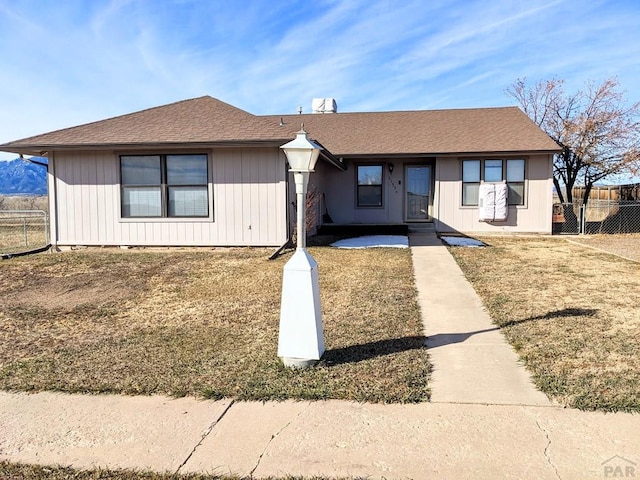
69, 292
205, 323
571, 313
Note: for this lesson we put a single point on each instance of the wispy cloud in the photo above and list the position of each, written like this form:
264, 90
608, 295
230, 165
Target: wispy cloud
65, 63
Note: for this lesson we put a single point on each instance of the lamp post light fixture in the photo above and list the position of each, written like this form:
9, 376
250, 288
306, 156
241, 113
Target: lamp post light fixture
301, 339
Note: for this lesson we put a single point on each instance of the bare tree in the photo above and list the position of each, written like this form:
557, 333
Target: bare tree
598, 132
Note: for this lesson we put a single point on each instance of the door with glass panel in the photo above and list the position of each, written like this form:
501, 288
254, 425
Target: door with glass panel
418, 193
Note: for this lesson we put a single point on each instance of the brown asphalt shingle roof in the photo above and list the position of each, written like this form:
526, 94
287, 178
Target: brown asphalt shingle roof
206, 120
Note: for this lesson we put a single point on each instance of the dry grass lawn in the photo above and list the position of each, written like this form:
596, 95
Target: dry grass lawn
625, 245
14, 471
205, 323
572, 313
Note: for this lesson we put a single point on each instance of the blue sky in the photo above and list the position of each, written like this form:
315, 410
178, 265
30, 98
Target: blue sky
69, 62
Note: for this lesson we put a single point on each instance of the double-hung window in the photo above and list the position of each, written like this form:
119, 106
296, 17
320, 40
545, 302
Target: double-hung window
493, 170
470, 181
164, 186
515, 181
369, 185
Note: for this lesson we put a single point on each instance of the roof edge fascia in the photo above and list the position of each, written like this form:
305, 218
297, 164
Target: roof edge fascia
351, 156
139, 146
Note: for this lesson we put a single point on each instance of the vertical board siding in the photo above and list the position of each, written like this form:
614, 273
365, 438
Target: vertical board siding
247, 188
533, 217
448, 213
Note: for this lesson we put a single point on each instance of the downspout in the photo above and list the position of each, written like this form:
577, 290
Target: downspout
436, 190
288, 242
8, 256
53, 202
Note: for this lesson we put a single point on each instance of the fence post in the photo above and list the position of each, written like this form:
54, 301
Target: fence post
583, 219
24, 230
46, 228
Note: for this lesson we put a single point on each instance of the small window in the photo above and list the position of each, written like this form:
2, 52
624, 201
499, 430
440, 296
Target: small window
515, 181
470, 181
164, 186
493, 170
369, 185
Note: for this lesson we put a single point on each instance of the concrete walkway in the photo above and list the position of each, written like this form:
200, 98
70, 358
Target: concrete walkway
333, 438
472, 361
486, 420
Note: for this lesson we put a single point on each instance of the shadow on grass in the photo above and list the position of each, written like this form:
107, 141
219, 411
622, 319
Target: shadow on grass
366, 351
442, 339
565, 312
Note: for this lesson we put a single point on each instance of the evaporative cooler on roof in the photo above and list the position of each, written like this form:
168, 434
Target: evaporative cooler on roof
324, 105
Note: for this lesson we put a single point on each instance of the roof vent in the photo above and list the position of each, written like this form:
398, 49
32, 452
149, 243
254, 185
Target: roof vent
324, 105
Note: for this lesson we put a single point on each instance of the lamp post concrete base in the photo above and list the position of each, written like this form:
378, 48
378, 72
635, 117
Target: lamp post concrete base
301, 339
298, 362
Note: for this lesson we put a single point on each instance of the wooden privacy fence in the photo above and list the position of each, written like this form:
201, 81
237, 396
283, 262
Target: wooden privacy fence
23, 230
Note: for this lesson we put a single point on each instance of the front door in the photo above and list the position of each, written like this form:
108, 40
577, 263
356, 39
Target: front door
418, 192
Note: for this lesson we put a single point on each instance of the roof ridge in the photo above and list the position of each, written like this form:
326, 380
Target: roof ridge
381, 112
137, 112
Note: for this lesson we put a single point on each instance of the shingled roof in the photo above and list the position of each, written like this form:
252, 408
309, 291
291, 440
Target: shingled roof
209, 121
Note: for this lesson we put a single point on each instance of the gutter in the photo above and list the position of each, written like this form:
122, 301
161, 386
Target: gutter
288, 242
34, 162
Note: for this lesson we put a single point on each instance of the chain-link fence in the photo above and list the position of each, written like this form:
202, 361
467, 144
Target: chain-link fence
596, 217
23, 230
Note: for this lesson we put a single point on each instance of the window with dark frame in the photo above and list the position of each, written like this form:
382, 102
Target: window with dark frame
493, 170
369, 188
470, 181
159, 186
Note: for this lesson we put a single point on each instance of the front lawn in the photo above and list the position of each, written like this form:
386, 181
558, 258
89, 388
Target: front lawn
572, 313
205, 323
19, 471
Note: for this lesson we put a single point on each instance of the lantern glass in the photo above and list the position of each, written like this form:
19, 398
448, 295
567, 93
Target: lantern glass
302, 154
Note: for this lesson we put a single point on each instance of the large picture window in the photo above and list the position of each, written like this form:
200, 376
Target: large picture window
164, 186
369, 185
493, 170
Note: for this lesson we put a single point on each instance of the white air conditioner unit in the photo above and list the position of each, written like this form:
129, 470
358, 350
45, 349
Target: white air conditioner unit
324, 105
492, 202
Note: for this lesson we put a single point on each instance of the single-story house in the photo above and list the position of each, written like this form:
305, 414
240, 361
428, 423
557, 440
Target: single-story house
201, 172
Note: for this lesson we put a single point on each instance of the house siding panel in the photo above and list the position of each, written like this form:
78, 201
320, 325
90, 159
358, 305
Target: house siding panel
247, 189
533, 217
448, 213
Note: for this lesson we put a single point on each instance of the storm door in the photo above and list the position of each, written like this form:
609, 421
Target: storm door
418, 193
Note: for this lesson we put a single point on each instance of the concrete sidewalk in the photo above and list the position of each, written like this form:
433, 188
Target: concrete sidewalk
332, 438
472, 361
486, 419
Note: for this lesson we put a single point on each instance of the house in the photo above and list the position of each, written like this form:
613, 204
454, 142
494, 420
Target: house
203, 172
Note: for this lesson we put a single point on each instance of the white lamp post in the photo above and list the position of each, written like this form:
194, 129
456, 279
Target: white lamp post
301, 340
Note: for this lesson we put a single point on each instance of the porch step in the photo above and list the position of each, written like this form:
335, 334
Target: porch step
362, 229
422, 228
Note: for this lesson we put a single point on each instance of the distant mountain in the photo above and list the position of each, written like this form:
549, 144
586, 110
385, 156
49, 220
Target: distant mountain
21, 177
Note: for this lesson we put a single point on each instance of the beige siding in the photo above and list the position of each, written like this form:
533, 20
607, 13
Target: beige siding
247, 200
533, 217
340, 192
447, 211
